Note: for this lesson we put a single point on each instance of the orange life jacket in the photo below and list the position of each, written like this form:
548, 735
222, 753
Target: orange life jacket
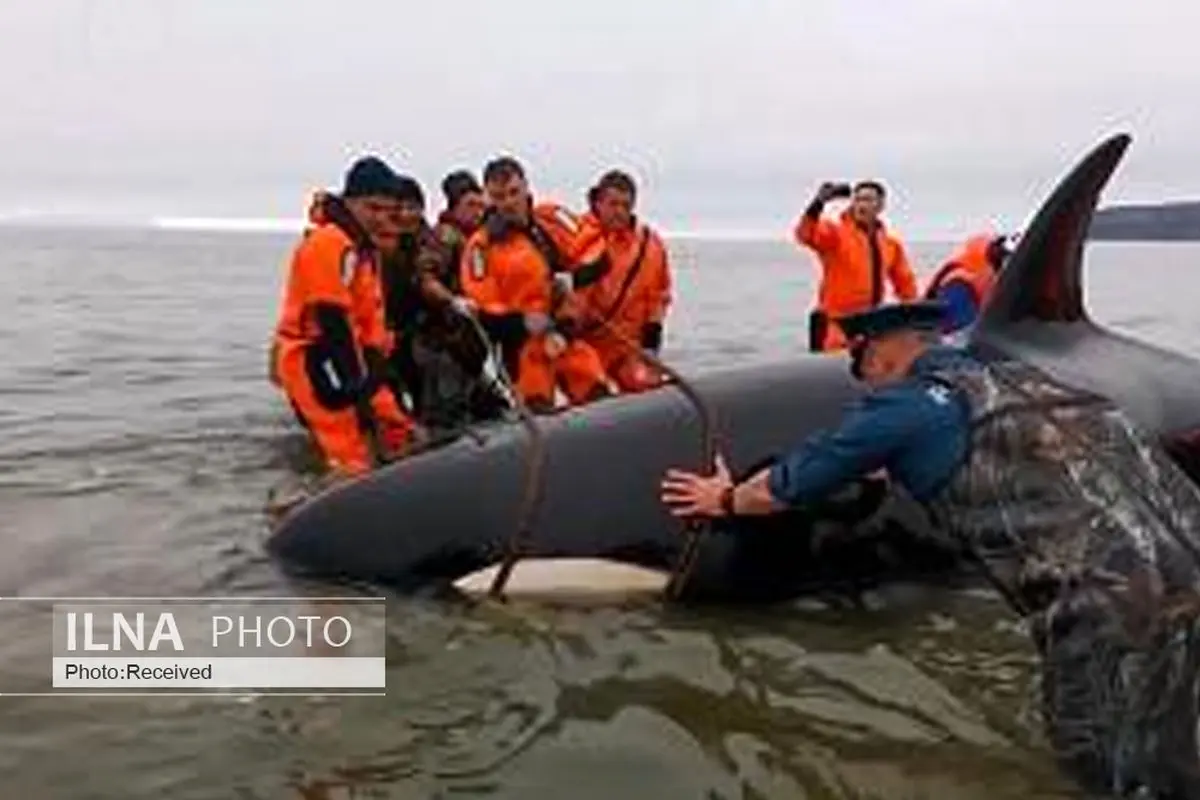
505, 275
855, 264
515, 272
333, 264
636, 288
577, 241
970, 265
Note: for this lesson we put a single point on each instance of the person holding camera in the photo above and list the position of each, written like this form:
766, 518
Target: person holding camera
858, 255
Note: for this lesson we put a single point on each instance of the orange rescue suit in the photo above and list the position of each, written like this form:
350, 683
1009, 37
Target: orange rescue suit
329, 343
509, 271
854, 267
623, 312
971, 265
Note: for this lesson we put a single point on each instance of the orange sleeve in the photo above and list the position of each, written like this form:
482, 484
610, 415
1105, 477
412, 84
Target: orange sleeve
586, 249
819, 234
479, 279
660, 299
588, 245
904, 280
570, 235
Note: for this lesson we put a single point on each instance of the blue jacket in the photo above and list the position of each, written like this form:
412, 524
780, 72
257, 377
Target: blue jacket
917, 429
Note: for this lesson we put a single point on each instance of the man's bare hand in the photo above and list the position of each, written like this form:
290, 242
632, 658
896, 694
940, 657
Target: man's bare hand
690, 495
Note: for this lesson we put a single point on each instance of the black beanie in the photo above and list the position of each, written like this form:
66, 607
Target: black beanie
408, 189
457, 184
370, 175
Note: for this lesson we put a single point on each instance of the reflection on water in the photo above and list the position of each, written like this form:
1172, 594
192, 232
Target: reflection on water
139, 441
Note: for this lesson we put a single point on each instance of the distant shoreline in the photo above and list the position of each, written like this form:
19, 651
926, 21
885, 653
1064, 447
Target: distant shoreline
1158, 222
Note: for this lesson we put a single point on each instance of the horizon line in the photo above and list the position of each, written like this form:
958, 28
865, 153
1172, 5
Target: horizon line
31, 220
248, 225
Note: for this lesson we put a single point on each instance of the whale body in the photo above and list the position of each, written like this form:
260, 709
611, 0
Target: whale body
439, 515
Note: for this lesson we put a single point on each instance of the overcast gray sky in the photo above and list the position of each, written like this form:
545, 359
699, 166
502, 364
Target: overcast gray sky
729, 111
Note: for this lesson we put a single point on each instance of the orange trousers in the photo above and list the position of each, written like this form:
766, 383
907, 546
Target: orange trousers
625, 365
339, 432
577, 370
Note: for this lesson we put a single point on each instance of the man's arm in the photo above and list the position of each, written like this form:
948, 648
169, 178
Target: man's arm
753, 497
329, 268
660, 295
507, 326
811, 229
434, 261
814, 232
873, 429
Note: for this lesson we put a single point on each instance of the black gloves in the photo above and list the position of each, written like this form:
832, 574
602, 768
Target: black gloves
652, 334
826, 192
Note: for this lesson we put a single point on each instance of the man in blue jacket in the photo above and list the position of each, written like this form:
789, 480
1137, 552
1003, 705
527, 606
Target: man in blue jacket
1084, 524
908, 424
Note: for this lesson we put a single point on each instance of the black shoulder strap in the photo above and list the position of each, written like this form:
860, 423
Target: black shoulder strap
873, 235
545, 245
619, 300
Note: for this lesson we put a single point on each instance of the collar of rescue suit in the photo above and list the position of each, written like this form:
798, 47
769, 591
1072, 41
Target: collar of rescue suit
622, 235
336, 212
499, 227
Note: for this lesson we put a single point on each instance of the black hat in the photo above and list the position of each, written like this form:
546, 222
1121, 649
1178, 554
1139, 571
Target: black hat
925, 315
370, 175
459, 183
408, 189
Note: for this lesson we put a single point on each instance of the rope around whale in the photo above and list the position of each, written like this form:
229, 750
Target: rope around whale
695, 527
534, 482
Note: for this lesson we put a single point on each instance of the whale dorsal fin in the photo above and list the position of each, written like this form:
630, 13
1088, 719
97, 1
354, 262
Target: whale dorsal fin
1042, 280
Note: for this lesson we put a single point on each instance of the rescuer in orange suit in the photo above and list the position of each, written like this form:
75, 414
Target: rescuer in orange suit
623, 312
857, 255
330, 339
966, 280
518, 269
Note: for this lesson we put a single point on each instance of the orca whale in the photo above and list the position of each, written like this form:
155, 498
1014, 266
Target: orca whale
438, 515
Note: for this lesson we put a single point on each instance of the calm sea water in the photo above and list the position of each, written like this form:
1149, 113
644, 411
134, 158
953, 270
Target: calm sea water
139, 441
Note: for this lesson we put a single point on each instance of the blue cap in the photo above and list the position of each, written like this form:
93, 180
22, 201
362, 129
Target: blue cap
925, 315
370, 175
